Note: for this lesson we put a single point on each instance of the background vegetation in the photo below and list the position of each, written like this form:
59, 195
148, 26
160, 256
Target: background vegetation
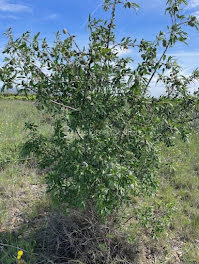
15, 96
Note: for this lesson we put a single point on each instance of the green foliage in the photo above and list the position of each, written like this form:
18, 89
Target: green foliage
156, 218
94, 95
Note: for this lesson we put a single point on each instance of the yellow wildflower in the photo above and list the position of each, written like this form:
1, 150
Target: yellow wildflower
20, 253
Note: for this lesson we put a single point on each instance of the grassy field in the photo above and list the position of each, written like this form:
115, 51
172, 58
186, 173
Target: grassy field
165, 226
22, 189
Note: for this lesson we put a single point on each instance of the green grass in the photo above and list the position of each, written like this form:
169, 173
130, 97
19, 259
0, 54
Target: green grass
22, 189
17, 179
166, 224
13, 115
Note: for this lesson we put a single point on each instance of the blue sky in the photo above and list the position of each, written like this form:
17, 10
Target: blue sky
49, 16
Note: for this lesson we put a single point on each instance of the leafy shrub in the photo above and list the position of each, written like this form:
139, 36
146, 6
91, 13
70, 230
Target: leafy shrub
107, 126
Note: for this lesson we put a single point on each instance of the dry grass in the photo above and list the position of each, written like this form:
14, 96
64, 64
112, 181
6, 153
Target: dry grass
20, 192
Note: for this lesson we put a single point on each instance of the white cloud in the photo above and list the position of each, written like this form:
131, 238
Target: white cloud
51, 17
6, 6
120, 51
193, 4
158, 89
196, 14
184, 54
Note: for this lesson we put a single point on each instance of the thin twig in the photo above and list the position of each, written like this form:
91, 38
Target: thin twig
74, 42
78, 134
157, 64
65, 106
128, 220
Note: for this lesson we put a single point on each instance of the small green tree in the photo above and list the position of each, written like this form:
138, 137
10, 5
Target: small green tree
94, 94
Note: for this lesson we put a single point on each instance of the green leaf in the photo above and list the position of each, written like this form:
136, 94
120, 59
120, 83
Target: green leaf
36, 36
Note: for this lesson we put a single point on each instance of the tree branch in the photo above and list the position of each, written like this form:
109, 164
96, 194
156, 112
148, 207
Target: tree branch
111, 23
65, 106
157, 64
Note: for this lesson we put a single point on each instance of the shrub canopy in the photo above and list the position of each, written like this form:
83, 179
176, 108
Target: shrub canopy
107, 126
